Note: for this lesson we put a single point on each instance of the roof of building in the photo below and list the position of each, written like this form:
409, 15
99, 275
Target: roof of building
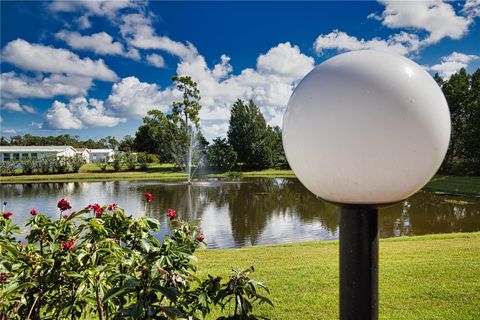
101, 150
80, 150
35, 148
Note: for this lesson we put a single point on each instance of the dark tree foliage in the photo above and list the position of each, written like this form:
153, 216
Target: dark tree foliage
221, 154
256, 143
462, 92
127, 144
158, 135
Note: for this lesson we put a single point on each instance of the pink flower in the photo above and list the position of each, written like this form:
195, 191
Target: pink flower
7, 214
67, 246
33, 212
148, 197
64, 204
172, 214
201, 237
112, 206
65, 216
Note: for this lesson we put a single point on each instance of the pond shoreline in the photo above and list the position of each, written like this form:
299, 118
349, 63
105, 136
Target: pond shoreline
449, 185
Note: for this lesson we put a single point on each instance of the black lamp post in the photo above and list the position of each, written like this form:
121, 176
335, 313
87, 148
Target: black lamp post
362, 130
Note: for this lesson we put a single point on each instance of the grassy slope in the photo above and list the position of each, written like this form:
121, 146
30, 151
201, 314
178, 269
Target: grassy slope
90, 172
425, 277
455, 185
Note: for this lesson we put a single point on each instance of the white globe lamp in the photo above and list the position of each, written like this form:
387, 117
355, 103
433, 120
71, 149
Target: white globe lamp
365, 129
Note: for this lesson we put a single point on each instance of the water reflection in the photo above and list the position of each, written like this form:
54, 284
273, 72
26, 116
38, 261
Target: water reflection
250, 211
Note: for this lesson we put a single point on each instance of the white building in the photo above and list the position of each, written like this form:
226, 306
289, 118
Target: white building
97, 154
19, 152
84, 153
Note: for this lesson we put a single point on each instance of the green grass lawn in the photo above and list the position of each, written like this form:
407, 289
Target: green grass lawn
455, 185
424, 277
90, 172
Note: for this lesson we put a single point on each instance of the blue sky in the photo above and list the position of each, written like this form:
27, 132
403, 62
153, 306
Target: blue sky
94, 68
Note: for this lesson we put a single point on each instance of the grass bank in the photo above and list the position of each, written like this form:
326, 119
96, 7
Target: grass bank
469, 186
424, 277
90, 172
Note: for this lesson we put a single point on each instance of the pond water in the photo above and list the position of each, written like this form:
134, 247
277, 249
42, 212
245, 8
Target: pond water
246, 212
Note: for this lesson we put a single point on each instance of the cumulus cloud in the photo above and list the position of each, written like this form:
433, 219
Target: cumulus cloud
138, 31
270, 85
401, 43
88, 8
131, 97
79, 113
37, 57
216, 130
452, 63
100, 43
20, 86
438, 18
472, 8
156, 60
17, 107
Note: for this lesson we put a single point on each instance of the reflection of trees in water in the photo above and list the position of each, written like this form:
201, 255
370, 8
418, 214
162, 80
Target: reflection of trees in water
32, 190
252, 204
430, 213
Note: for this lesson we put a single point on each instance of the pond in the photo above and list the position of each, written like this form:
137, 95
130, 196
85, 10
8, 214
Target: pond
248, 211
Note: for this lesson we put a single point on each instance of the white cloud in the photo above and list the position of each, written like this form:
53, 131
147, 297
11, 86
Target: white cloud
103, 8
472, 8
100, 43
10, 131
438, 18
285, 60
37, 57
216, 130
78, 114
452, 63
270, 85
156, 60
17, 107
97, 7
138, 31
401, 43
19, 86
130, 97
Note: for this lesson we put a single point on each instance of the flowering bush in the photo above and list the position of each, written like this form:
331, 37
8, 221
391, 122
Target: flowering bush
100, 263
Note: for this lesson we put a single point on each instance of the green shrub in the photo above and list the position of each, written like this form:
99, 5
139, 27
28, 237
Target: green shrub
7, 168
100, 263
118, 160
142, 159
102, 164
130, 161
153, 158
76, 162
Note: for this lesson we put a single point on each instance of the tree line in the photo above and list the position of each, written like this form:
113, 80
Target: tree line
251, 143
462, 92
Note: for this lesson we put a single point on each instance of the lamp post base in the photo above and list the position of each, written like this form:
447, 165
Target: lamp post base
358, 263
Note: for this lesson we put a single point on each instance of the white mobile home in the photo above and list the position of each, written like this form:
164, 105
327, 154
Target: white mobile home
19, 152
98, 154
84, 153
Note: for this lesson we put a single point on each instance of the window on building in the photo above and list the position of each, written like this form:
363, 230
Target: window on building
33, 155
6, 156
16, 156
